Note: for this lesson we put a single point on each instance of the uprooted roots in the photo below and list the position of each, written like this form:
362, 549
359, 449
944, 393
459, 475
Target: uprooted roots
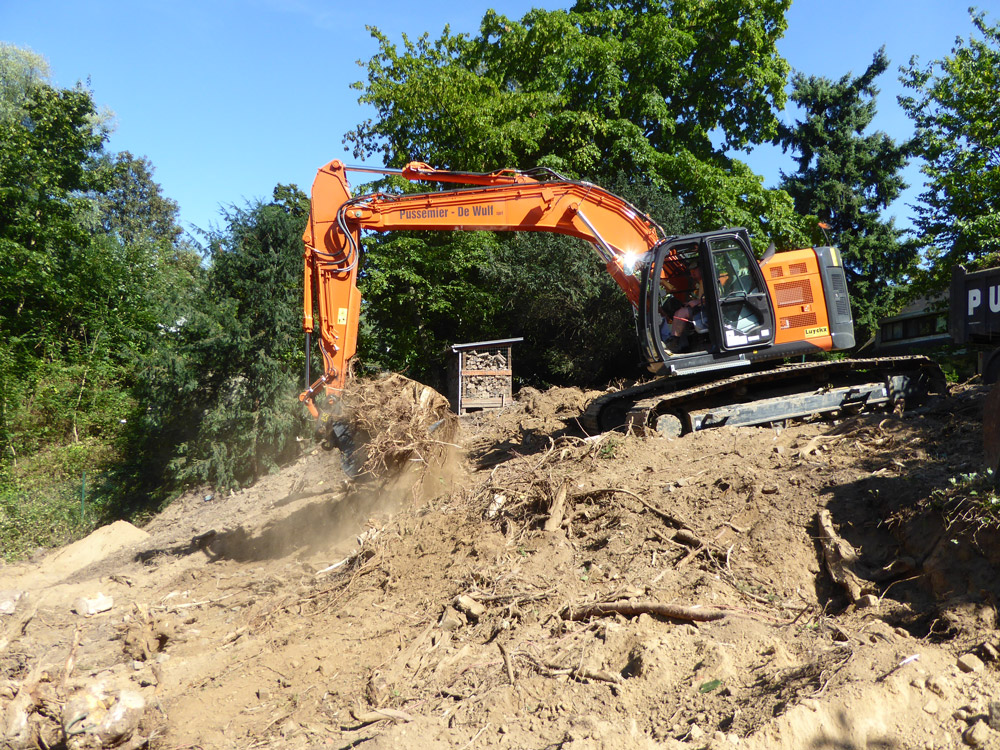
399, 421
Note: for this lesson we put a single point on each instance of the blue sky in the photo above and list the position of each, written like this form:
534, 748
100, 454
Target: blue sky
228, 98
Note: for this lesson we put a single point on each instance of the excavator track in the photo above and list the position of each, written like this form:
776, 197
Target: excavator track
767, 396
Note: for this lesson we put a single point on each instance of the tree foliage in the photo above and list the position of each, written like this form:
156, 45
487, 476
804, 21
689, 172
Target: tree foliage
659, 90
132, 207
645, 98
59, 284
846, 177
955, 109
21, 70
125, 351
88, 247
423, 291
217, 394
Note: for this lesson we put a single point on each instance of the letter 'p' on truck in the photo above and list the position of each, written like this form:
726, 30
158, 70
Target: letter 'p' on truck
974, 317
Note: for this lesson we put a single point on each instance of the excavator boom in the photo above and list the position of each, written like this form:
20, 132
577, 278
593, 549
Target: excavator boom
505, 200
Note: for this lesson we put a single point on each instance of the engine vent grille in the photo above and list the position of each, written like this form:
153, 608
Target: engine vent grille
793, 293
802, 320
839, 284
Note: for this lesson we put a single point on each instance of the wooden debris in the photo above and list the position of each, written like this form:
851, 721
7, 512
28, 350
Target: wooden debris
486, 374
507, 663
840, 558
380, 714
558, 509
398, 421
632, 608
578, 673
71, 659
689, 538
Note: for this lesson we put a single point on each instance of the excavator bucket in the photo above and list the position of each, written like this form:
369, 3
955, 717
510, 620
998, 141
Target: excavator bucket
388, 423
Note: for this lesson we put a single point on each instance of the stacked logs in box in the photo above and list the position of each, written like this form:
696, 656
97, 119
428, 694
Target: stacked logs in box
495, 384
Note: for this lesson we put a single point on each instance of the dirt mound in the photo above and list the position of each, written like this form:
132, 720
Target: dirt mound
562, 590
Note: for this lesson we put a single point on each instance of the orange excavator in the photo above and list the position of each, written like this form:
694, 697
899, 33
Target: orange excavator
712, 322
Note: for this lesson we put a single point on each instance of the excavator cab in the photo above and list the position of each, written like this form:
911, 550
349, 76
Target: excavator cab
735, 313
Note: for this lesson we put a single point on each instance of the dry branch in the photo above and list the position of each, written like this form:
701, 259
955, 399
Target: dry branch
668, 518
71, 659
558, 510
579, 673
507, 663
379, 714
631, 608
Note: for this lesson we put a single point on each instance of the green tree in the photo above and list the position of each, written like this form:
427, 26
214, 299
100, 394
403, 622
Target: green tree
955, 109
217, 395
50, 275
21, 70
423, 291
660, 90
87, 246
640, 97
133, 208
846, 177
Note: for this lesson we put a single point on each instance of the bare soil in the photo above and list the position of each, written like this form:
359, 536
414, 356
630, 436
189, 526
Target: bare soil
445, 603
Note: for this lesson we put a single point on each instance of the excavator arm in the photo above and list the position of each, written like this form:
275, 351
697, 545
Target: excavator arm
506, 200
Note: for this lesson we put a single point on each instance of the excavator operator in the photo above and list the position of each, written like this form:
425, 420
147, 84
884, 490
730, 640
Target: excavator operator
683, 314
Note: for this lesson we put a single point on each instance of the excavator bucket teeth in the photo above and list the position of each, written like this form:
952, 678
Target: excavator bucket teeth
337, 434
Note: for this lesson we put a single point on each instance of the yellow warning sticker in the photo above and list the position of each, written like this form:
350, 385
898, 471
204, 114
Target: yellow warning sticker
818, 331
342, 316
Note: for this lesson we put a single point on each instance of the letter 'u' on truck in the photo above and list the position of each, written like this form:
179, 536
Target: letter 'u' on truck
974, 317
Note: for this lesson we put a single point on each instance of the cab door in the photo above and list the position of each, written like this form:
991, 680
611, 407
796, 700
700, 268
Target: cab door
745, 316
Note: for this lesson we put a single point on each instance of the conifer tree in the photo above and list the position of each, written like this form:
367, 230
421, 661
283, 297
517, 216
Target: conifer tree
846, 177
218, 396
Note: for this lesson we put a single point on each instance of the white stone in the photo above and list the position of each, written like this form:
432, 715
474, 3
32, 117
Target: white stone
9, 600
88, 607
970, 663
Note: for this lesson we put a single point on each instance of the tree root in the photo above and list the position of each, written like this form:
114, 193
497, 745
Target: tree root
633, 608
